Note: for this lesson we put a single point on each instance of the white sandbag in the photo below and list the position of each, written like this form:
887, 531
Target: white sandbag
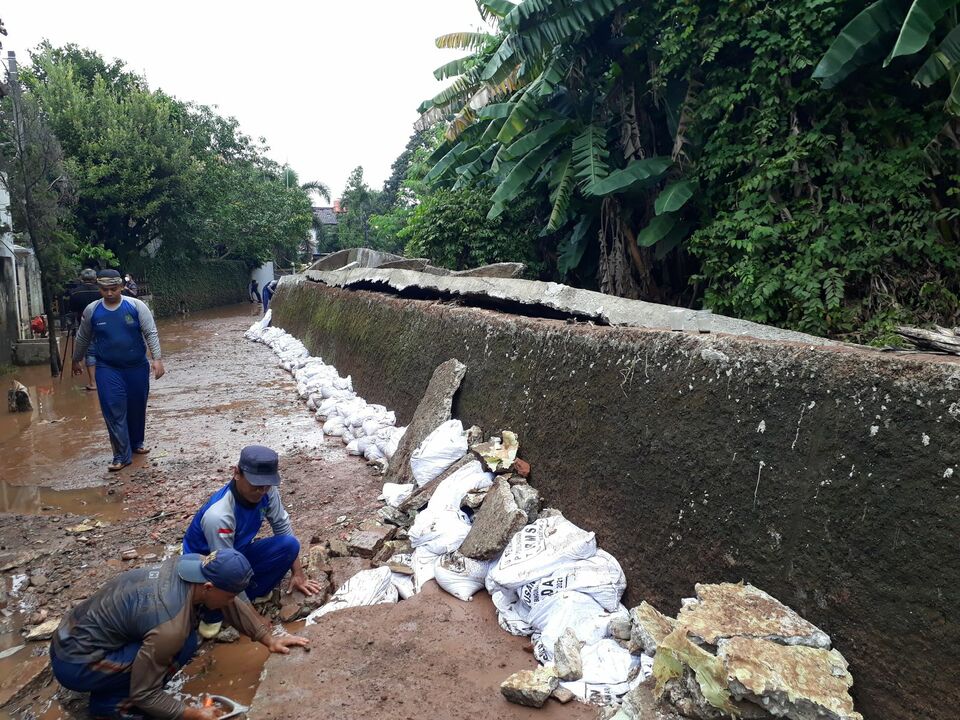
371, 426
326, 406
609, 671
363, 443
394, 441
540, 549
404, 585
440, 531
343, 383
312, 401
438, 451
449, 494
373, 453
461, 576
600, 577
333, 427
353, 448
395, 493
347, 436
511, 613
579, 612
327, 390
424, 563
356, 419
368, 587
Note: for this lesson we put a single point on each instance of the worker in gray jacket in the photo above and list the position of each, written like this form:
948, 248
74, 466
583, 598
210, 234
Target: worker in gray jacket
124, 643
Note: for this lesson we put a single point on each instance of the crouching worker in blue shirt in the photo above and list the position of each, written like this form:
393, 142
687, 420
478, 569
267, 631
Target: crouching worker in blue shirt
124, 643
231, 518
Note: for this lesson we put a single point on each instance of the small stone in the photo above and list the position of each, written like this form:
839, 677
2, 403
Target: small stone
530, 687
621, 627
39, 617
38, 581
228, 634
648, 628
388, 550
566, 656
473, 500
499, 454
150, 557
44, 631
394, 517
496, 522
562, 695
522, 467
338, 548
129, 554
527, 498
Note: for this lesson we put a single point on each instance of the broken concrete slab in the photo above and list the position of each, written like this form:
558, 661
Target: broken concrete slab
495, 523
530, 687
420, 498
363, 257
691, 679
527, 498
417, 264
494, 270
796, 682
296, 605
388, 550
566, 656
431, 656
497, 454
344, 568
432, 411
552, 298
728, 610
43, 631
366, 542
641, 703
648, 628
24, 678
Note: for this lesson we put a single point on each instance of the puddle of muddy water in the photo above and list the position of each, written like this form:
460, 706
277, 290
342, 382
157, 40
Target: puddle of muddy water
104, 502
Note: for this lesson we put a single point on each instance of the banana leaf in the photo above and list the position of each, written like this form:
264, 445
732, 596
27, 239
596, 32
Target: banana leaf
674, 196
918, 26
860, 41
637, 173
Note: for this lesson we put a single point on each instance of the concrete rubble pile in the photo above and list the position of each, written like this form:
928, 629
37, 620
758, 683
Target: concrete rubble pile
461, 511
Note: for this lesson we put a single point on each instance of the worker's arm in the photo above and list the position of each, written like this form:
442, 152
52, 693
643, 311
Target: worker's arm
84, 334
279, 521
148, 327
241, 615
150, 667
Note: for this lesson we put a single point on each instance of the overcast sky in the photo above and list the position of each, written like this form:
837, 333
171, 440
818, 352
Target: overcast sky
331, 85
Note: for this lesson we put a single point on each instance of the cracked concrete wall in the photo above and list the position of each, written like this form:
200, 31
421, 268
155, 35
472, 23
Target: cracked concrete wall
828, 477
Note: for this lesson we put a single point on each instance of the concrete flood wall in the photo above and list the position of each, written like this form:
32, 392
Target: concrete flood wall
829, 477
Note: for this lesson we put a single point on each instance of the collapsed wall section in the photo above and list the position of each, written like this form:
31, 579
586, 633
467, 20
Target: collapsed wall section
826, 476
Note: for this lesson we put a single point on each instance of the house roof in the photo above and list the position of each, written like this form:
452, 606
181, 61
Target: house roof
326, 214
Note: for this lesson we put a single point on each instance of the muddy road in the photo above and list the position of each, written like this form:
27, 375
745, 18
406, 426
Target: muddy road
65, 520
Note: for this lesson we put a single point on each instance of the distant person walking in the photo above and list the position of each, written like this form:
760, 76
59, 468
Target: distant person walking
122, 329
130, 288
82, 295
268, 292
254, 291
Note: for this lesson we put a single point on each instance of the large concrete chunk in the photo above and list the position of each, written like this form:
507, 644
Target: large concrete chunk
730, 610
530, 687
800, 683
496, 522
648, 628
566, 656
432, 411
495, 270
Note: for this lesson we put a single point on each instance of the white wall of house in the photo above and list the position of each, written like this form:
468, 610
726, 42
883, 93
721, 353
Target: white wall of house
263, 274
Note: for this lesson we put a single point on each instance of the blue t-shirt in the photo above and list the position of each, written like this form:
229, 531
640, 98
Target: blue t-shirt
118, 335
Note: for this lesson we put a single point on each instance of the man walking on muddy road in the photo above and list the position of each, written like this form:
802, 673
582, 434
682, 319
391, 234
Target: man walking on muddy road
122, 328
124, 643
231, 518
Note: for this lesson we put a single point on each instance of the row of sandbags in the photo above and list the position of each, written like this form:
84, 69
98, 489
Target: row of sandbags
366, 429
550, 577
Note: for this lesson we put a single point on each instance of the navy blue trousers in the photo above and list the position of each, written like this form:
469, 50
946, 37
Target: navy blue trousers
123, 401
108, 680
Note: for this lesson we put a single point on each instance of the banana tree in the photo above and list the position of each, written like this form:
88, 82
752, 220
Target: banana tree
538, 107
888, 29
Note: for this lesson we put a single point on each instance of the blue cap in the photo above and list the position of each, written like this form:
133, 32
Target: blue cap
259, 465
226, 569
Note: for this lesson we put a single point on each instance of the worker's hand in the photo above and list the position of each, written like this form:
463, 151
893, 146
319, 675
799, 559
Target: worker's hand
77, 368
158, 369
301, 583
201, 713
281, 644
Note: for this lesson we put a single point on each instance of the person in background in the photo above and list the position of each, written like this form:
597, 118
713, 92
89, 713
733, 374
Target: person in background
232, 517
254, 291
124, 643
82, 295
122, 329
130, 288
268, 292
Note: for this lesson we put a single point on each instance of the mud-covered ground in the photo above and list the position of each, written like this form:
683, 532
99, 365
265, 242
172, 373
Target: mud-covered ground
220, 393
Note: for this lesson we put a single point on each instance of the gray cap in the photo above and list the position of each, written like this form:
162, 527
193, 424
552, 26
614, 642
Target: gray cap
88, 275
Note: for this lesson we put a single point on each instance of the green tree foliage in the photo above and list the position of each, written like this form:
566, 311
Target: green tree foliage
688, 155
359, 204
151, 171
451, 228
